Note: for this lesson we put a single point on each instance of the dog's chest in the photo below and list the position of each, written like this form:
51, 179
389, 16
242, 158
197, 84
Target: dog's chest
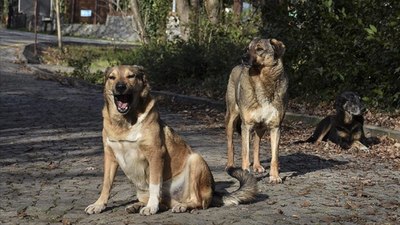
264, 113
130, 159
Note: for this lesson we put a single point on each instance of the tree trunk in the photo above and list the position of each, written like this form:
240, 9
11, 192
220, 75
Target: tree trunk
237, 9
213, 8
195, 16
183, 11
36, 7
59, 36
138, 21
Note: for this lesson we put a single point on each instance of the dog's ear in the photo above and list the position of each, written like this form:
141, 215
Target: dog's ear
141, 74
279, 48
106, 73
339, 102
249, 56
246, 58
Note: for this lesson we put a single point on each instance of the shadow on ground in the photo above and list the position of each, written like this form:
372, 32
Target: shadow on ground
301, 163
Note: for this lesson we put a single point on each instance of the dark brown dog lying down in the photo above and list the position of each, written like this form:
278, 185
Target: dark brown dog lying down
346, 127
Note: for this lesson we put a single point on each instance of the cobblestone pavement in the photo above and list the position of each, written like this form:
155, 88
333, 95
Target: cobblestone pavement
51, 167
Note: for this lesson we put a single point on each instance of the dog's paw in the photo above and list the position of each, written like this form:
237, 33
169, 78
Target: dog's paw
364, 148
246, 167
179, 208
95, 208
275, 180
149, 210
134, 208
258, 169
229, 166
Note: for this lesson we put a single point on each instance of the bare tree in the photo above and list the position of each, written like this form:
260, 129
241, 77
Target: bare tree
213, 8
59, 37
183, 10
237, 9
36, 11
195, 15
138, 22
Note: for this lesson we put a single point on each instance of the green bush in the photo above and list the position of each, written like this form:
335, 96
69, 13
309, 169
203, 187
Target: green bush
331, 46
200, 65
343, 45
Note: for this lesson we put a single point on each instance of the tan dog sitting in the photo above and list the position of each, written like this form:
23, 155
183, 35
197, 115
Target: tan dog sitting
256, 97
163, 168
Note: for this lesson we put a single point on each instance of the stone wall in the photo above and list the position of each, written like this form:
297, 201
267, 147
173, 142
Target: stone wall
118, 28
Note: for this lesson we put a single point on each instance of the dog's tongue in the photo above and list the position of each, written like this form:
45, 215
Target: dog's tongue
122, 105
122, 102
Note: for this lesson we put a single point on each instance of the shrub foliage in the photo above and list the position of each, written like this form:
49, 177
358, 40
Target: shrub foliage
332, 46
343, 45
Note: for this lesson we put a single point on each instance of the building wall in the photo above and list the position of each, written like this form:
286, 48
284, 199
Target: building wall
27, 7
118, 28
97, 8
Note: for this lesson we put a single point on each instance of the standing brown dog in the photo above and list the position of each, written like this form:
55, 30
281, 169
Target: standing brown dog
256, 96
163, 168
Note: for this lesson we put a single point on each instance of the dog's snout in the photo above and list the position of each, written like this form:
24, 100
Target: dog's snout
363, 108
120, 87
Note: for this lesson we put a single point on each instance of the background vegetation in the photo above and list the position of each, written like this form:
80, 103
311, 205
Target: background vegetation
332, 46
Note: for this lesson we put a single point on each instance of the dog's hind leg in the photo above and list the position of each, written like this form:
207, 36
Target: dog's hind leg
198, 192
256, 154
274, 170
135, 207
230, 122
245, 146
322, 129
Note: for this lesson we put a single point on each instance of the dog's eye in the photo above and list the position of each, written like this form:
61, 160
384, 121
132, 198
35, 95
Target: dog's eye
259, 50
131, 76
111, 77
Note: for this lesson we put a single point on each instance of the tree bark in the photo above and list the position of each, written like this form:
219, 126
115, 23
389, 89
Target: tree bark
183, 11
195, 16
237, 9
36, 7
138, 22
59, 35
213, 8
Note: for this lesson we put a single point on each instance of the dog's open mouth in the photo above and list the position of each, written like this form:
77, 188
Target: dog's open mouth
123, 102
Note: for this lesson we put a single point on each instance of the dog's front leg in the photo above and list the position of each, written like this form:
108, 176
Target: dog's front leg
257, 168
110, 168
360, 146
245, 146
274, 170
156, 164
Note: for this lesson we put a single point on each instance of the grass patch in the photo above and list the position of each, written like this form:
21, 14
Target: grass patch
88, 61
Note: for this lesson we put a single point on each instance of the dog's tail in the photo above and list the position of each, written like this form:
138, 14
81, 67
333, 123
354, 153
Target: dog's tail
311, 139
246, 192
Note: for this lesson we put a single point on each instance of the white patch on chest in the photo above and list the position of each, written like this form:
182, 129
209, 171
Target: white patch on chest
265, 113
130, 158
